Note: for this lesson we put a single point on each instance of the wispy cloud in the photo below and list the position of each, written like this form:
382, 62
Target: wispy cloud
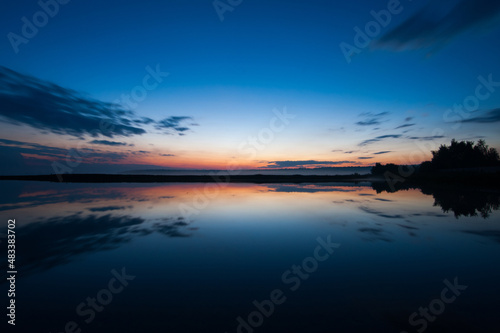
371, 119
291, 164
108, 143
26, 100
405, 125
382, 152
438, 22
379, 138
365, 158
491, 116
426, 138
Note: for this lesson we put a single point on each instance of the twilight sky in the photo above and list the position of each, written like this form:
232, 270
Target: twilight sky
104, 86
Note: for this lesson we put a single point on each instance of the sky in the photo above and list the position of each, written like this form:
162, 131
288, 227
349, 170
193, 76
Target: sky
107, 86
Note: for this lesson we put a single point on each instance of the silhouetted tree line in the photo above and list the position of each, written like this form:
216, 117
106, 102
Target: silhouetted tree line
458, 155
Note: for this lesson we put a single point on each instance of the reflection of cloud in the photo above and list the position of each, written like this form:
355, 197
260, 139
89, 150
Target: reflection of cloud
375, 234
494, 235
59, 240
439, 22
26, 100
380, 214
292, 188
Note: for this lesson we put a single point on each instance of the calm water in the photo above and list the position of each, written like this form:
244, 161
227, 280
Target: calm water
252, 258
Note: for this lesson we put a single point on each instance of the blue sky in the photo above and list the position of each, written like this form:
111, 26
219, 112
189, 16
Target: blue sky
225, 78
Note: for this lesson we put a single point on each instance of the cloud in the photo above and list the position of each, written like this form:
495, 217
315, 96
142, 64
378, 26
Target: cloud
350, 152
167, 155
438, 22
291, 164
491, 116
26, 100
365, 158
426, 138
173, 123
405, 125
382, 152
368, 122
408, 119
372, 119
379, 138
108, 143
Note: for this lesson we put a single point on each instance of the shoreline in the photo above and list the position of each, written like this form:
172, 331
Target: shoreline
258, 179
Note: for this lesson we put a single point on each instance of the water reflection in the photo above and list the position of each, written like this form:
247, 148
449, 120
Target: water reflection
462, 201
201, 273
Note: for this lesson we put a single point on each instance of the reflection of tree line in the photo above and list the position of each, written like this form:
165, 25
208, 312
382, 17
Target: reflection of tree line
462, 201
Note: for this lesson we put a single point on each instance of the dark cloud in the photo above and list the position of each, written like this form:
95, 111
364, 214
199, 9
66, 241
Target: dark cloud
379, 138
108, 208
438, 22
368, 122
167, 155
26, 100
380, 214
405, 125
491, 116
382, 152
407, 119
365, 158
426, 138
494, 235
290, 164
108, 143
173, 123
372, 119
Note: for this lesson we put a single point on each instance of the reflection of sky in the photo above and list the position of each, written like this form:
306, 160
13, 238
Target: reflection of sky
396, 248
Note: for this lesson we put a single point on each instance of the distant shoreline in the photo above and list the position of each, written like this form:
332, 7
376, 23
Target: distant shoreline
223, 178
466, 178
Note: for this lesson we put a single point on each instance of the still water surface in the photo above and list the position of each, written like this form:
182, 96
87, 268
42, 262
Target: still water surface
252, 258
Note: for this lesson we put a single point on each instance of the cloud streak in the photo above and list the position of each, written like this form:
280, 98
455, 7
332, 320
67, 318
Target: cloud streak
438, 22
292, 164
379, 138
491, 116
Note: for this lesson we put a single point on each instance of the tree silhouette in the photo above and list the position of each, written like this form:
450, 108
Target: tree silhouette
464, 154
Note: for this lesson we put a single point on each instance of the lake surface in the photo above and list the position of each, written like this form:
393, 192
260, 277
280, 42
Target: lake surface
252, 258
